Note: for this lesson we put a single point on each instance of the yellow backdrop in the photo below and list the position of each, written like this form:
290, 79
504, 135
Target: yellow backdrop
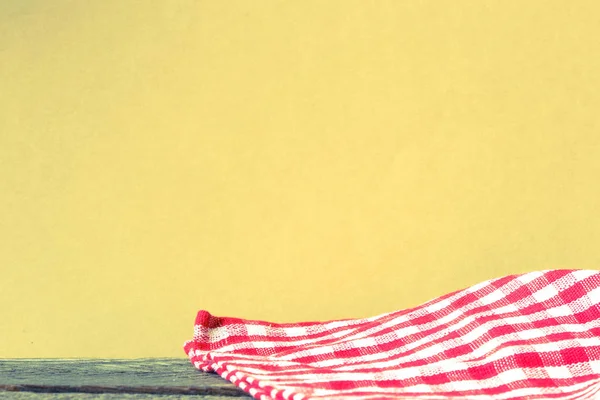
283, 160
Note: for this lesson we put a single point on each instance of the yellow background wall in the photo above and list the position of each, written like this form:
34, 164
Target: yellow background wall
283, 160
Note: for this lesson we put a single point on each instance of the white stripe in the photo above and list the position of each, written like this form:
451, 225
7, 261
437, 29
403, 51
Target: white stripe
445, 365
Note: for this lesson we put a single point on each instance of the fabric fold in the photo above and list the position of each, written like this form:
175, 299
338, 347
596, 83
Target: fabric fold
527, 336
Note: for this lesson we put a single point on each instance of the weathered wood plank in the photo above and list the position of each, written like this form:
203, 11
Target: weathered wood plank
95, 377
103, 396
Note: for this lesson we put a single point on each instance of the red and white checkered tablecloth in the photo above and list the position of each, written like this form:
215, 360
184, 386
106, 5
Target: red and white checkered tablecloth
529, 336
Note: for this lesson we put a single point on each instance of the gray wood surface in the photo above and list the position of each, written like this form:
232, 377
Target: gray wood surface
105, 396
85, 379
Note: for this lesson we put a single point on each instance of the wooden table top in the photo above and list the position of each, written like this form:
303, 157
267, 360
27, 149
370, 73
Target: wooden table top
108, 379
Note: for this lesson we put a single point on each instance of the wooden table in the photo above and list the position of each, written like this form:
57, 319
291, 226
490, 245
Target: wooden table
86, 379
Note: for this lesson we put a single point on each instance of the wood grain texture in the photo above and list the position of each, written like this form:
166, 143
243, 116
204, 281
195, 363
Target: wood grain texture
103, 396
110, 379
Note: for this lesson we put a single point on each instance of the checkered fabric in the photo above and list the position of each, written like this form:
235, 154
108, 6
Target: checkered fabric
529, 336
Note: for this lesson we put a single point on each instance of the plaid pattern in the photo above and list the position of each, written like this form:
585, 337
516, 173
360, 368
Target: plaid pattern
529, 336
